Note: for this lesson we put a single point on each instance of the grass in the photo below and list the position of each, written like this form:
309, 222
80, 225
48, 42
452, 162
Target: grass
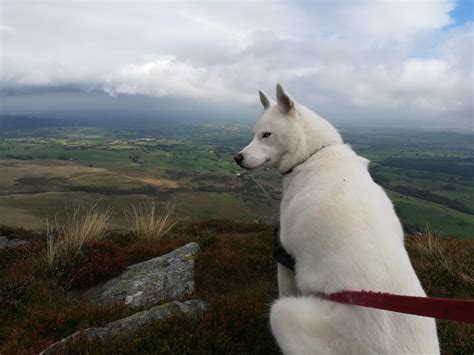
83, 226
234, 273
206, 205
461, 193
445, 267
436, 183
105, 179
149, 221
422, 213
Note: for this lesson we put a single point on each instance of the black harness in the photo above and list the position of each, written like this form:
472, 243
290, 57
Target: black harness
280, 254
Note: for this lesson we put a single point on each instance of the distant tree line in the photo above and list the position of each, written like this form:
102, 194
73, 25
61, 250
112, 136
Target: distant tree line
421, 194
429, 196
443, 166
13, 123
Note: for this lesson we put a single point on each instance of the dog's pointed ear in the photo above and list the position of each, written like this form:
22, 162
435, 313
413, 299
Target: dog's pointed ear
264, 99
285, 103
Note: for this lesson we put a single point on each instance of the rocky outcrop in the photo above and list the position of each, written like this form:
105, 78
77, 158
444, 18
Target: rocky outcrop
127, 326
11, 243
166, 277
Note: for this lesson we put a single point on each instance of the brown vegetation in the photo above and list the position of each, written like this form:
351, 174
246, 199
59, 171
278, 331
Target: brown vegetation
149, 220
83, 226
169, 184
445, 267
234, 273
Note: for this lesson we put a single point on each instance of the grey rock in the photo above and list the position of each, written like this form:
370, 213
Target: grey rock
166, 277
129, 325
11, 243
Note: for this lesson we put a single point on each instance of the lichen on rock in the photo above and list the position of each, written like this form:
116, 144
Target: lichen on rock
166, 277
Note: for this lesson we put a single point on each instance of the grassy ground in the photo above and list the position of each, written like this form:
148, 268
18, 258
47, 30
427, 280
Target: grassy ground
427, 215
33, 190
234, 273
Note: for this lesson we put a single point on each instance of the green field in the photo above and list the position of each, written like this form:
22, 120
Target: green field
44, 171
430, 216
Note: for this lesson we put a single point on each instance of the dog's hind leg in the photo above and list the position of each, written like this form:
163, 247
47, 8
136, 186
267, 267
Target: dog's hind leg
302, 325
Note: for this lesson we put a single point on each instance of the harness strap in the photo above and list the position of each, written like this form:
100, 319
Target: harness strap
280, 254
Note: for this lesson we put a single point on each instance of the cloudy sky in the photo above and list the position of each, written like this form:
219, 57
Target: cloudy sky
399, 61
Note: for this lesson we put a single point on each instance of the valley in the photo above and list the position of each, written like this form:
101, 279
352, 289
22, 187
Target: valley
45, 172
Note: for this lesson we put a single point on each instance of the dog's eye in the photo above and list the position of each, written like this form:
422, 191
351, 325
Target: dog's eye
266, 134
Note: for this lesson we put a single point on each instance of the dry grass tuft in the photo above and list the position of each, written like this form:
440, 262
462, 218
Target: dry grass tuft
445, 267
441, 261
149, 221
428, 243
83, 226
431, 249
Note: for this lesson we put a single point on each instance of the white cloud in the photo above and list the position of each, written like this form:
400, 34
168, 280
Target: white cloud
6, 30
363, 57
399, 18
169, 77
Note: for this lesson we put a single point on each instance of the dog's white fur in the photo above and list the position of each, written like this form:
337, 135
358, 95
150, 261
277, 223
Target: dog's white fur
344, 234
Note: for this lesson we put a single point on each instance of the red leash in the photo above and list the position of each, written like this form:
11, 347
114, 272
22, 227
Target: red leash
461, 310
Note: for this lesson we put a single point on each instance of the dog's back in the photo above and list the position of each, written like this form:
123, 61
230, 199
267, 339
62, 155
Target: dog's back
342, 229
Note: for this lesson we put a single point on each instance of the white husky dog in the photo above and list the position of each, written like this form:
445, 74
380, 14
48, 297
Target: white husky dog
344, 234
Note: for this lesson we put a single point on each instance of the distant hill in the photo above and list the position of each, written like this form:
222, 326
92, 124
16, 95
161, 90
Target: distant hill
15, 123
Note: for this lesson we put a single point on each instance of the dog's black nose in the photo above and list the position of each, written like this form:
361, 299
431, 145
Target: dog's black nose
238, 158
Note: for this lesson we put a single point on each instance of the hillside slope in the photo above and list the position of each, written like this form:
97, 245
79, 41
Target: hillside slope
234, 273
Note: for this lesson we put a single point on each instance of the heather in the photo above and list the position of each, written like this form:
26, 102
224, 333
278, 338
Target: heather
234, 273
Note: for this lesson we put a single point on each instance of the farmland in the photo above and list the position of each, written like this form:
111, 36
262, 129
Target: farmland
45, 171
